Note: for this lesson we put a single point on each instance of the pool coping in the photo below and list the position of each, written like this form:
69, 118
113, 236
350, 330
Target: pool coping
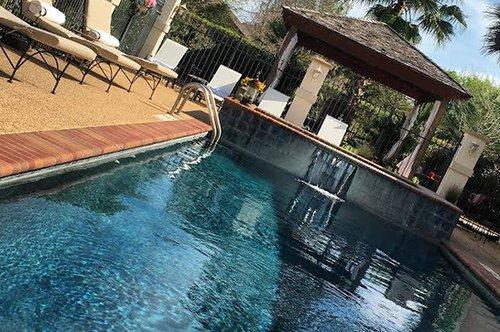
36, 175
472, 273
28, 157
358, 161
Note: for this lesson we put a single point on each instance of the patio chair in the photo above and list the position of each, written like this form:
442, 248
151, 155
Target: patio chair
170, 54
223, 82
97, 36
273, 102
333, 130
43, 43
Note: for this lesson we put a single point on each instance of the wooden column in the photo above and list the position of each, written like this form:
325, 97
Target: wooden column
411, 118
409, 166
285, 53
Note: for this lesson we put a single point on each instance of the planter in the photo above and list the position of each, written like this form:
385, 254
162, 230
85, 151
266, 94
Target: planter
250, 95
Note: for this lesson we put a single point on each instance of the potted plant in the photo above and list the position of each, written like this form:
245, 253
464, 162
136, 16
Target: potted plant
139, 8
143, 7
250, 89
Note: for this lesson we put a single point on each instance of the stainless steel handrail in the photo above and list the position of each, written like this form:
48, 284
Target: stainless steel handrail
184, 96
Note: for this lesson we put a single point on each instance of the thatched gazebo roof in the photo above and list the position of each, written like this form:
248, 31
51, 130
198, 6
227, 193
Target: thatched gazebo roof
374, 50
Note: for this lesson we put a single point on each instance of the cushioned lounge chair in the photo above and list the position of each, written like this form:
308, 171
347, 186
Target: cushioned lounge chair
42, 44
98, 15
223, 83
97, 20
170, 54
273, 102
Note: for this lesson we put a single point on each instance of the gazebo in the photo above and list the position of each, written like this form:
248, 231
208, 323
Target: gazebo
375, 51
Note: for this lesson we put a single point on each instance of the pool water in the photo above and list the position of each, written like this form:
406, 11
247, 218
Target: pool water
173, 241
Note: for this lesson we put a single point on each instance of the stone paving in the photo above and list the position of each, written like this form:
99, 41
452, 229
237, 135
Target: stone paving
482, 258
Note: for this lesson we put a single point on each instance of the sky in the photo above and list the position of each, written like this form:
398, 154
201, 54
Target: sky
463, 53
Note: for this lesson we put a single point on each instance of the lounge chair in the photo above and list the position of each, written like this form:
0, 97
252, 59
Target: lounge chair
97, 35
333, 130
43, 43
170, 54
273, 102
223, 82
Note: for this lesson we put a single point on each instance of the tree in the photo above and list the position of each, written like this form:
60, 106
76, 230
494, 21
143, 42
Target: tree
480, 114
268, 25
409, 18
492, 38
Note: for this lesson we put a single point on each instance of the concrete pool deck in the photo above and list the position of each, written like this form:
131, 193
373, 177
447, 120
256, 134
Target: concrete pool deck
481, 258
26, 105
39, 130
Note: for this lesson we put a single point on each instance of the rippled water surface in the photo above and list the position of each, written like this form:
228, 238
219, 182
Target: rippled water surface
168, 243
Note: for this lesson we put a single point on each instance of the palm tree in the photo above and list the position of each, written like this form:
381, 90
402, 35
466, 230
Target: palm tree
492, 38
439, 18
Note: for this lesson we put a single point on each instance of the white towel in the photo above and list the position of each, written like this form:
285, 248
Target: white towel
161, 63
52, 14
104, 37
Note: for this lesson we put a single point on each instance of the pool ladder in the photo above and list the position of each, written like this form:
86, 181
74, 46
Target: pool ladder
196, 88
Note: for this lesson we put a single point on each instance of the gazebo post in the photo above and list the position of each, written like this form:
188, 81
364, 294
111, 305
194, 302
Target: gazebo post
409, 166
284, 55
410, 120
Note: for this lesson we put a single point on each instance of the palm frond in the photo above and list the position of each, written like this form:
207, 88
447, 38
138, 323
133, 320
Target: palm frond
454, 14
492, 38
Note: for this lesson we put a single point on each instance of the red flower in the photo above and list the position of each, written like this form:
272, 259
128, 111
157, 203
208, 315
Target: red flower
150, 3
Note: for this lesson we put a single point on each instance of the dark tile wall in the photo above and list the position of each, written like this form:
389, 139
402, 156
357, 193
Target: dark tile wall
264, 138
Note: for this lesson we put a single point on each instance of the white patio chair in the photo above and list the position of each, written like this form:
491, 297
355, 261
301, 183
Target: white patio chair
333, 130
169, 54
273, 102
223, 82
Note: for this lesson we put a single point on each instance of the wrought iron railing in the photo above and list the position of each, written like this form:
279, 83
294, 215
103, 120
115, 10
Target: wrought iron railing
211, 46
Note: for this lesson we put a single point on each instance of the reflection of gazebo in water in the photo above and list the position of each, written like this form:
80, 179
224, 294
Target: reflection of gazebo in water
375, 51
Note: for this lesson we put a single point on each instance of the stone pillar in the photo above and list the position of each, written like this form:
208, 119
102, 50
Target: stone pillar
463, 164
307, 94
160, 28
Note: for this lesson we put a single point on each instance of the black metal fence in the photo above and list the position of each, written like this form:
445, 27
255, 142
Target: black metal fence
211, 46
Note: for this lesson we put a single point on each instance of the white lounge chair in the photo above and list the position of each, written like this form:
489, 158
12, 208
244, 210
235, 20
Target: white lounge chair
98, 14
223, 82
333, 130
273, 102
42, 43
169, 54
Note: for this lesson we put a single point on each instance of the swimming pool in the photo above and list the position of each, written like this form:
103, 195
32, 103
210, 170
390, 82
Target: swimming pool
173, 241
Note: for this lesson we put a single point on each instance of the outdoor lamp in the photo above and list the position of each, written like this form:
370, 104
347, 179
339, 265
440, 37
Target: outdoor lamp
474, 146
318, 71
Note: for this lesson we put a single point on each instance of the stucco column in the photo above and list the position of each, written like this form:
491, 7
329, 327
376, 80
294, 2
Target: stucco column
160, 28
307, 94
463, 164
